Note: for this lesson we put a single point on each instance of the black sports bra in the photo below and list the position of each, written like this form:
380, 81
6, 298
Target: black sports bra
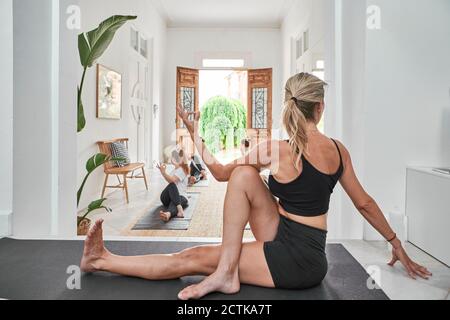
308, 195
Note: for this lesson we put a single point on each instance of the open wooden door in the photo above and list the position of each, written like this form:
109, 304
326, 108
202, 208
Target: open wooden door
259, 115
188, 99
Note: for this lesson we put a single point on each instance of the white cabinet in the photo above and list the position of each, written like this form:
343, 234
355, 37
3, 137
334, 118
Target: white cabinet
428, 212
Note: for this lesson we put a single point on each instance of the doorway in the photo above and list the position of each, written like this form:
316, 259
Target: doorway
236, 105
223, 104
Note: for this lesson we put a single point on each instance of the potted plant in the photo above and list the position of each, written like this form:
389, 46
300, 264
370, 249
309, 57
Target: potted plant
91, 46
83, 223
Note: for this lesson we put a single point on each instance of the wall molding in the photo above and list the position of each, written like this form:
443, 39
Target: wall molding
5, 223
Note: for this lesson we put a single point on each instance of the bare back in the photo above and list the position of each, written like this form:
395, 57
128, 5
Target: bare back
323, 155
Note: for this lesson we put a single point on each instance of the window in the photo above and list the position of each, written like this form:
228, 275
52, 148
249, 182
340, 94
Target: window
299, 48
223, 63
306, 41
260, 108
320, 64
187, 100
144, 47
319, 70
134, 39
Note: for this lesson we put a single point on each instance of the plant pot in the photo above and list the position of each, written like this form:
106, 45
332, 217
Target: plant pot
83, 226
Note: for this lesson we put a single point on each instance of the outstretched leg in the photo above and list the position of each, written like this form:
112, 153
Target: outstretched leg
243, 196
201, 260
152, 267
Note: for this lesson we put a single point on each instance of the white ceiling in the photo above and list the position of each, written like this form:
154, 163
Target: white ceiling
224, 13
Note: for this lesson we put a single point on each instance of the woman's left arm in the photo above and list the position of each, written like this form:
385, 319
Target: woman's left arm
370, 210
259, 158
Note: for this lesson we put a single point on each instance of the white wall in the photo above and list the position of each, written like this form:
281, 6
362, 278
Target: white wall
68, 75
33, 175
6, 119
407, 96
304, 15
349, 104
119, 57
261, 47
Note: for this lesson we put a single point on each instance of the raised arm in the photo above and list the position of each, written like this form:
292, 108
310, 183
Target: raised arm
170, 179
370, 210
259, 157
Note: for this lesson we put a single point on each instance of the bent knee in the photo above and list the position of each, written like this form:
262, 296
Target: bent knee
245, 174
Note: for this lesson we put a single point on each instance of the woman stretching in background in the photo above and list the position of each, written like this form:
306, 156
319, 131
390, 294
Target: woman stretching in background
174, 196
198, 172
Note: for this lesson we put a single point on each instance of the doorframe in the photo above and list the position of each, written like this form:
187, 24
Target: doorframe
248, 105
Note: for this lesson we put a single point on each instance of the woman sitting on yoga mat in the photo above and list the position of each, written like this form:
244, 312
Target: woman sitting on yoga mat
198, 172
174, 196
288, 218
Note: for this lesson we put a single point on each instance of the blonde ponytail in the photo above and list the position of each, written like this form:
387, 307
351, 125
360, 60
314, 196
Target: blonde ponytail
303, 93
295, 124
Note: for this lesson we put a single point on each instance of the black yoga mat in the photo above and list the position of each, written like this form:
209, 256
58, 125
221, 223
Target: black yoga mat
152, 221
38, 270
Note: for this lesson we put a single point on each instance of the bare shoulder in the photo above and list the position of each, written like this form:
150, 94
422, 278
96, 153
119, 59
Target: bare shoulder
346, 157
269, 153
270, 146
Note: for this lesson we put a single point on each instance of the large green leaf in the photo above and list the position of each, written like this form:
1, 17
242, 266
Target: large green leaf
91, 165
93, 44
98, 204
81, 123
95, 162
95, 205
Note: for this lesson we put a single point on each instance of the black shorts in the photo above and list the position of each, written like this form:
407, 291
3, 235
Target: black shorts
297, 258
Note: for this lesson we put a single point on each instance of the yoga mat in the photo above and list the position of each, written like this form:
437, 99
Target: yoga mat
201, 184
152, 221
31, 270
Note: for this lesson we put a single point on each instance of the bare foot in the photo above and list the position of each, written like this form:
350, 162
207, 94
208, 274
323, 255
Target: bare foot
180, 214
94, 249
227, 283
165, 216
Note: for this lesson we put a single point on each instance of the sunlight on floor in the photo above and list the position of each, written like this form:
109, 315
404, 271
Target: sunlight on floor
228, 156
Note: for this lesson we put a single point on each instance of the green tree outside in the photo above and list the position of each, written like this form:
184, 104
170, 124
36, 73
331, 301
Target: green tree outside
223, 123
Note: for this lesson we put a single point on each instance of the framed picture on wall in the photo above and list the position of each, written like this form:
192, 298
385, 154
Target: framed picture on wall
109, 93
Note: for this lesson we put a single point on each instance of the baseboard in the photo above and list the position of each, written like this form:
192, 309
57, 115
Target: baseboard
5, 223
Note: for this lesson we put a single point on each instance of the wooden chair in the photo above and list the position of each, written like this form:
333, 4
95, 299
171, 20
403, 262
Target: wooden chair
124, 172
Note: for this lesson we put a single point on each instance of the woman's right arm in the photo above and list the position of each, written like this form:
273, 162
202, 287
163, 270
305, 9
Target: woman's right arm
258, 158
